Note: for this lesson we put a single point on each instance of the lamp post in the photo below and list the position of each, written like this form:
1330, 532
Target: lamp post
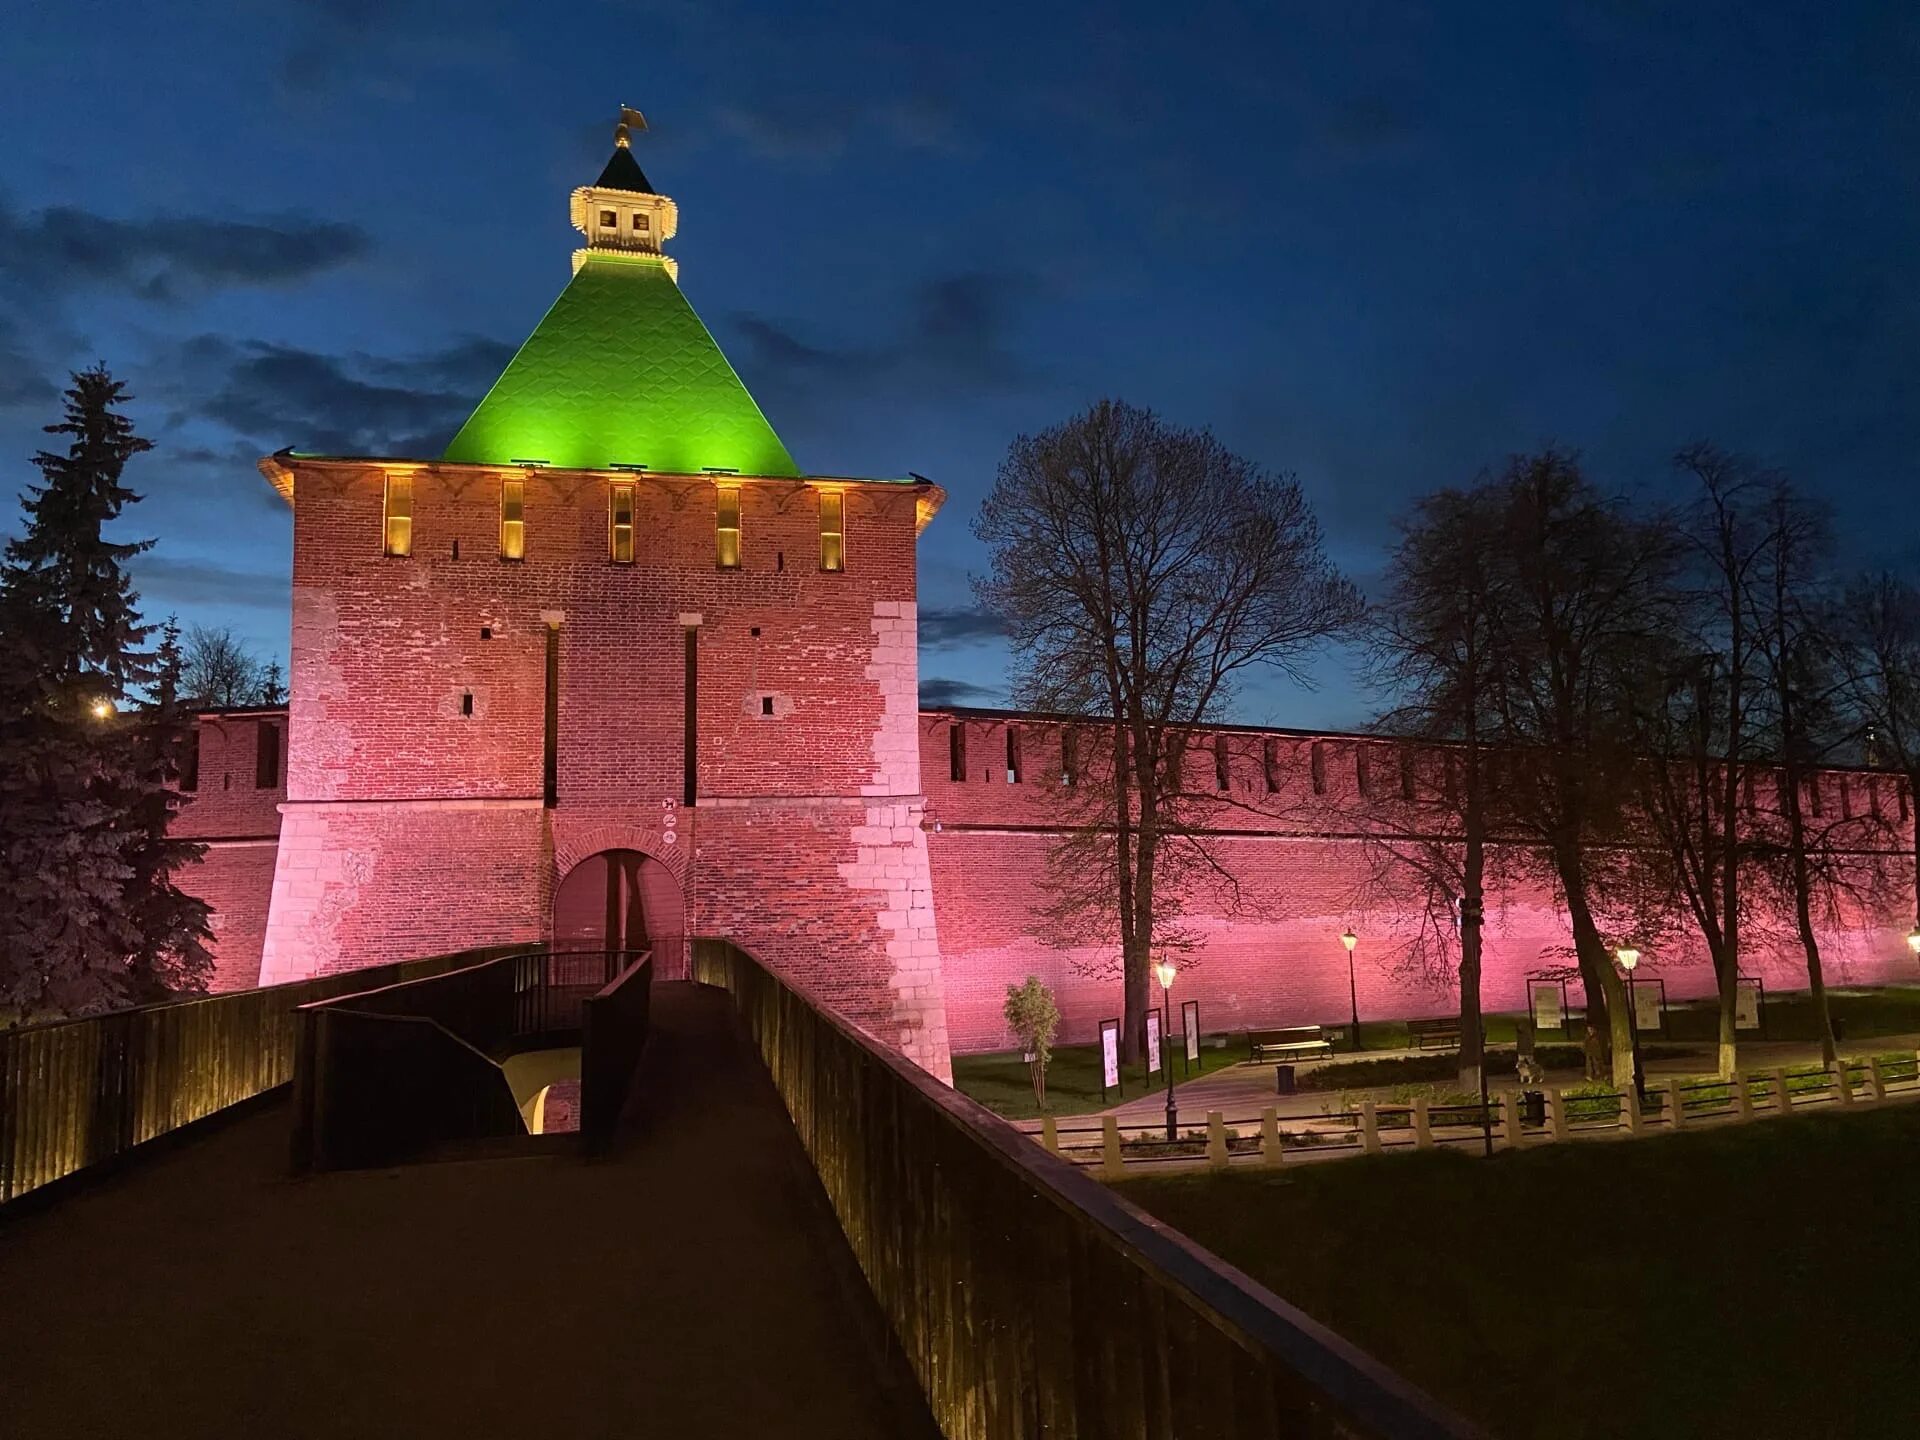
1913, 938
1163, 972
1349, 939
1628, 958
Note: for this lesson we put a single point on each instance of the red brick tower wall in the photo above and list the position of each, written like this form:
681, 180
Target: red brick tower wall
416, 818
233, 807
1275, 958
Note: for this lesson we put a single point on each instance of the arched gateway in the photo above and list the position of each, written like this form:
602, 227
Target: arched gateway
623, 900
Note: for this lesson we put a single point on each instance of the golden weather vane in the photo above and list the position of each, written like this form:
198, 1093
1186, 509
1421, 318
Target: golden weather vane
629, 121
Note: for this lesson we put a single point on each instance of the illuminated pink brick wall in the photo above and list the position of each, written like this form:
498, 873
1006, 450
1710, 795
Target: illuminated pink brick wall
1276, 959
413, 825
238, 819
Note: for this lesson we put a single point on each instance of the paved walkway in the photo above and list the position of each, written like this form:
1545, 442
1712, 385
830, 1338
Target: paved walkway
693, 1284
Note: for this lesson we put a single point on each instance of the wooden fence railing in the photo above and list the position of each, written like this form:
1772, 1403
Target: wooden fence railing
78, 1093
1029, 1299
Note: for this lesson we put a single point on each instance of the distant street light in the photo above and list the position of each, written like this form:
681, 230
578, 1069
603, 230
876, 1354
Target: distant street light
1913, 939
1628, 958
1349, 939
102, 708
1163, 972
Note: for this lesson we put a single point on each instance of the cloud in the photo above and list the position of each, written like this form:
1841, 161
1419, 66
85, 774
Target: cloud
955, 332
22, 380
938, 691
189, 582
945, 627
163, 257
353, 404
820, 128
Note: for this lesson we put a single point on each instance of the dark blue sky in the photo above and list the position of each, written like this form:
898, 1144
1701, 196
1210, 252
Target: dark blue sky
1378, 245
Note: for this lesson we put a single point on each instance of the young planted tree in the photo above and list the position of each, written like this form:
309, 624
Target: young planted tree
1431, 643
1034, 1018
90, 735
1143, 570
1581, 598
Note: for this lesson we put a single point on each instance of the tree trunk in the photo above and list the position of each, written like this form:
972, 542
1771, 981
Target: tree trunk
1473, 1045
1816, 980
1609, 1021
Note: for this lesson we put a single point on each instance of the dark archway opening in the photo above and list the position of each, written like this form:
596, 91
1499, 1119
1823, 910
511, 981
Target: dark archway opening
623, 900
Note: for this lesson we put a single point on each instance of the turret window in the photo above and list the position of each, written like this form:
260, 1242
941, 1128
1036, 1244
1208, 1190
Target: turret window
620, 524
609, 220
397, 519
833, 531
726, 527
642, 223
513, 525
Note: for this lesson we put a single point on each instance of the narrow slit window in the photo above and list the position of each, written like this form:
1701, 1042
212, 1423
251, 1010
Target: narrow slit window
1013, 756
1813, 796
1360, 778
1270, 763
620, 524
1222, 769
1317, 765
726, 527
1406, 773
190, 762
833, 531
1069, 755
266, 755
398, 515
513, 522
466, 702
956, 751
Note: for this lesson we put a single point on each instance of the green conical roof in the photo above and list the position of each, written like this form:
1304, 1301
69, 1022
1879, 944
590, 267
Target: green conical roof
621, 372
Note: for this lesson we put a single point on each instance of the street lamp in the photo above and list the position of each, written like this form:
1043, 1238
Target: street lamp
1163, 972
101, 708
1913, 939
1628, 958
1349, 939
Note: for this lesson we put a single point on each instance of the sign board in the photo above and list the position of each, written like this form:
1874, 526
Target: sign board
1109, 1055
1190, 1026
1546, 1001
1153, 1042
1649, 1004
1748, 996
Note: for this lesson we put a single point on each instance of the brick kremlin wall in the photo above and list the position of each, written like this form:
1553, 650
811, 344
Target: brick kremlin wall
1303, 869
233, 808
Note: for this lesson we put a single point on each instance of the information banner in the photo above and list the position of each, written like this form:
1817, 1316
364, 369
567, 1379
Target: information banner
1109, 1055
1544, 999
1747, 998
1649, 1004
1190, 1026
1153, 1042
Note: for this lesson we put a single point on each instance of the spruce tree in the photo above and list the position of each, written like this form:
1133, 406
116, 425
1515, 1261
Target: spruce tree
90, 738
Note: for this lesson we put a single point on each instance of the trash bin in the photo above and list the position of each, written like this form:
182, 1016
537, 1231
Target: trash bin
1283, 1080
1533, 1107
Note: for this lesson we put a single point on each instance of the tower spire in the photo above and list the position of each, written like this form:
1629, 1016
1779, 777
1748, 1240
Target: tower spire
621, 213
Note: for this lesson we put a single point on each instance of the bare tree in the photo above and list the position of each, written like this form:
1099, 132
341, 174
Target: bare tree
1816, 853
1878, 623
1143, 570
1581, 594
1431, 643
1697, 719
220, 669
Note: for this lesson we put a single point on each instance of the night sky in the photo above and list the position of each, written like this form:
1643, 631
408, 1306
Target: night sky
1380, 246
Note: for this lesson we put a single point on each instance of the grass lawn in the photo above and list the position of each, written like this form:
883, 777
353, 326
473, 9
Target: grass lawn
998, 1080
1748, 1281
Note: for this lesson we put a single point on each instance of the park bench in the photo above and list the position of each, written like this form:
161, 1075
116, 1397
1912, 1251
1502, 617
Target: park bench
1302, 1042
1440, 1034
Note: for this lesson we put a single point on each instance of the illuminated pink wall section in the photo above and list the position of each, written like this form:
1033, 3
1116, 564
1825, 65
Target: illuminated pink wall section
232, 807
1277, 959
